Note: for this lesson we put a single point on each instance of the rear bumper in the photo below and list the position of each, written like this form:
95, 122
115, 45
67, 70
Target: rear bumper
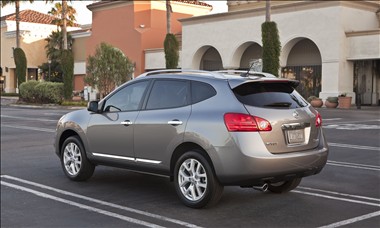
235, 166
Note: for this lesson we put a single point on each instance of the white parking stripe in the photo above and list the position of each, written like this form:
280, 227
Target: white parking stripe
340, 194
29, 128
179, 222
352, 220
354, 146
352, 166
28, 118
360, 165
72, 203
337, 198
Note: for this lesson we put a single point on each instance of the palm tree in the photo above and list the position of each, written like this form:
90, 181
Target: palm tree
267, 11
56, 11
168, 16
55, 45
17, 5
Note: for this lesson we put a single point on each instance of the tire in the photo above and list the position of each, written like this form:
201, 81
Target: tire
195, 181
74, 161
284, 186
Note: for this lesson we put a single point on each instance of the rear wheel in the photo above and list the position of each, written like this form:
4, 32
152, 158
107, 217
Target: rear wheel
284, 186
195, 182
74, 161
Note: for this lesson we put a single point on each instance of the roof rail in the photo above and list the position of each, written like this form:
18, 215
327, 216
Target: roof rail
197, 72
245, 73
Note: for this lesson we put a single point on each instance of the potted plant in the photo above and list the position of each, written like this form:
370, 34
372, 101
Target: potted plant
331, 102
315, 101
344, 100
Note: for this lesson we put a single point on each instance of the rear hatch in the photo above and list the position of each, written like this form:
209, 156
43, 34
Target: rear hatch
292, 119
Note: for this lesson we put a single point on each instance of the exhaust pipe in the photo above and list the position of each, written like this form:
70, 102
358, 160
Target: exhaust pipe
263, 187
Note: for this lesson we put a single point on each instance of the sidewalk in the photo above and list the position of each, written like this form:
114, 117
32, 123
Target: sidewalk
12, 101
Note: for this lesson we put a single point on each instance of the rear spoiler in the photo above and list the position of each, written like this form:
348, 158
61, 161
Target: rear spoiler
235, 83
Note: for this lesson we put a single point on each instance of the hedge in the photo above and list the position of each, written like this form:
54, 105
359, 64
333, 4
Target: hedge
41, 92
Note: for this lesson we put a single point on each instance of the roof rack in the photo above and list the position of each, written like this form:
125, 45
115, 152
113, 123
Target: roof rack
187, 71
244, 73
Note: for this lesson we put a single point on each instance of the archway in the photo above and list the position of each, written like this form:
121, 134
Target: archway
211, 60
304, 63
251, 53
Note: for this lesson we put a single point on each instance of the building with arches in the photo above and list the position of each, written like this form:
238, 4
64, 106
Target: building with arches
332, 47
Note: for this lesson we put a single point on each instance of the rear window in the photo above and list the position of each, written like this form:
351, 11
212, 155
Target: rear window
269, 95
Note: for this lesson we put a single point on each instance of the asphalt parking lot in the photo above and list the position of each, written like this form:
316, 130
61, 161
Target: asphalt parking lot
35, 192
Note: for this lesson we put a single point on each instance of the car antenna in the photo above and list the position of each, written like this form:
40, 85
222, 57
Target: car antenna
256, 65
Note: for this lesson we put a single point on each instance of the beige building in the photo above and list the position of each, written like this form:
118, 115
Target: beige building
35, 27
332, 47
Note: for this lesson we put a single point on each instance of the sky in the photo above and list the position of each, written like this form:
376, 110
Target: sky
83, 14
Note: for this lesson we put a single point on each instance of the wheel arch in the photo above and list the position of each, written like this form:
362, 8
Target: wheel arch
66, 134
182, 149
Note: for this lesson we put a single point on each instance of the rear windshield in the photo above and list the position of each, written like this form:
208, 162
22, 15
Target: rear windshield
269, 95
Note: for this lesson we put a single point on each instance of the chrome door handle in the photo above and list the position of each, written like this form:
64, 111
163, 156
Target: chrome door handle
126, 123
175, 122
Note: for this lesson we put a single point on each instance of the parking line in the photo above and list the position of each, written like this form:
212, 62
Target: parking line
163, 218
353, 165
29, 128
337, 198
340, 194
352, 220
29, 118
82, 206
354, 146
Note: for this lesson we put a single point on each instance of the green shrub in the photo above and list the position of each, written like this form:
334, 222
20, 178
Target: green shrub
21, 65
332, 99
49, 92
41, 92
67, 64
271, 47
28, 91
171, 47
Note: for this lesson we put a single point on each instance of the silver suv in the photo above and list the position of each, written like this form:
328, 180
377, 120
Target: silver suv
204, 130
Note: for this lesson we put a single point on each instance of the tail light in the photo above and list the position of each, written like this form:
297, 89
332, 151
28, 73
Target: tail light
318, 120
244, 122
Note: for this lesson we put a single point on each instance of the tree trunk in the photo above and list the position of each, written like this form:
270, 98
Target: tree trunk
168, 16
17, 3
64, 30
267, 11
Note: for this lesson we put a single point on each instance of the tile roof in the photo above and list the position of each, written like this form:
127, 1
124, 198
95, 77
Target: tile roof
32, 17
193, 2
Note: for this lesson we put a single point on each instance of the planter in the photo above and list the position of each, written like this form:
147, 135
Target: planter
331, 104
316, 103
345, 102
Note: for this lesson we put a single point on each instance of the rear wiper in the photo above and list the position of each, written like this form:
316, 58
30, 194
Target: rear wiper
279, 105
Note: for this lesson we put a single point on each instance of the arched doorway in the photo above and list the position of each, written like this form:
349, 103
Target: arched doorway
211, 60
304, 63
253, 52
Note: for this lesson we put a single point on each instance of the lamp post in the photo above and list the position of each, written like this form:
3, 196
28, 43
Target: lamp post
49, 61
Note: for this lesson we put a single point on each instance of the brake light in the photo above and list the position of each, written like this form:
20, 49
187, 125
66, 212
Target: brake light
244, 122
318, 120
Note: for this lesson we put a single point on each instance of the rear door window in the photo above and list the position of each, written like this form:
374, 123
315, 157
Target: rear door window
201, 91
269, 95
169, 94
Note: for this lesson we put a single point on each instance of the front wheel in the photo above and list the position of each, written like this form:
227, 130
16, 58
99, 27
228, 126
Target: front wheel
74, 161
195, 182
284, 186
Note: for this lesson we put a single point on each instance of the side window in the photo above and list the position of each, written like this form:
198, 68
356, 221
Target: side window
201, 91
168, 94
127, 98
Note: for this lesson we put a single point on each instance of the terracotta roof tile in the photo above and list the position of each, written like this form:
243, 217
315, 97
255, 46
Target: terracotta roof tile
193, 2
32, 17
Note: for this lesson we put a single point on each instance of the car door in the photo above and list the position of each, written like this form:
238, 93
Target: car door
110, 133
161, 125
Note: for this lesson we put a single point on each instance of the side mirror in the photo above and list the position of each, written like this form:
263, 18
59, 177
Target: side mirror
93, 106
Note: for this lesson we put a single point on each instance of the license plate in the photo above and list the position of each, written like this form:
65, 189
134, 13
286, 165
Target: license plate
296, 136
